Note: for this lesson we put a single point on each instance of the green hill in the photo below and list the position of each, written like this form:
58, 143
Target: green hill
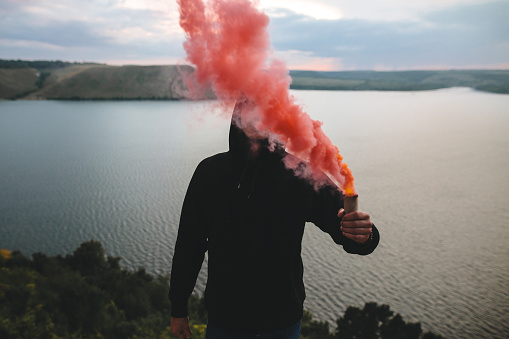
496, 81
17, 83
90, 81
110, 82
57, 80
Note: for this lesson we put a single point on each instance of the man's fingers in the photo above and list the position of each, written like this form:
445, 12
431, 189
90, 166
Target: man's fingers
360, 238
356, 215
182, 333
356, 230
356, 219
179, 327
356, 224
177, 332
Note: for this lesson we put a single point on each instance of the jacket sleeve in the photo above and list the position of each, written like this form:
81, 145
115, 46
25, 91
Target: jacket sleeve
190, 248
327, 202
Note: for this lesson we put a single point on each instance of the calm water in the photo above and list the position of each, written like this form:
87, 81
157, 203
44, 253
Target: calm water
430, 167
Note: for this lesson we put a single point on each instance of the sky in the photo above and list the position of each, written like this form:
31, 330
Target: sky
307, 34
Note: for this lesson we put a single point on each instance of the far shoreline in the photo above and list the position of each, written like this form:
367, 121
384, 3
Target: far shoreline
214, 99
57, 80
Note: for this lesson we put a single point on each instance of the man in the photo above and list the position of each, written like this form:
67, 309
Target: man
249, 211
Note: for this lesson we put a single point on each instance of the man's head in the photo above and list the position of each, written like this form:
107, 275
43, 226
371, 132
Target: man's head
244, 115
245, 139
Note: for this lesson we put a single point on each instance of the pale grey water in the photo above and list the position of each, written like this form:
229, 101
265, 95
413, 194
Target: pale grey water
431, 169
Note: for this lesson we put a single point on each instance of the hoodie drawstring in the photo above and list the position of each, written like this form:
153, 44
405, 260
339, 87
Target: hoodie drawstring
255, 175
242, 176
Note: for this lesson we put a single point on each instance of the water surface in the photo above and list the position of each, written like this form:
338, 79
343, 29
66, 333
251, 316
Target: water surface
430, 167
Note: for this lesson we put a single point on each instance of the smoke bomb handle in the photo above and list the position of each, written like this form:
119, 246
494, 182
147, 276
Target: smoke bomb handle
351, 204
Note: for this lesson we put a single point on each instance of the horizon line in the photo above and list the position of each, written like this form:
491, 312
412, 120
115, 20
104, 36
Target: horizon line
413, 69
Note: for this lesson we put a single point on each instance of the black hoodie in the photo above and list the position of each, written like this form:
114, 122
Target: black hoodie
249, 214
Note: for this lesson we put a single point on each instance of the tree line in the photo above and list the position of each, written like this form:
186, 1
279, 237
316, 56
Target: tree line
87, 294
37, 64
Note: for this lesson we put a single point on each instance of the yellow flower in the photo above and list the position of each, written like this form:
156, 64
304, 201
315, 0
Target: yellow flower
199, 330
6, 254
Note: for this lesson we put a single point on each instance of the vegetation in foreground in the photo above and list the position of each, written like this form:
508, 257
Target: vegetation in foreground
88, 295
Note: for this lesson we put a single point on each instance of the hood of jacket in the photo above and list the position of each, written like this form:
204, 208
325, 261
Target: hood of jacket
240, 145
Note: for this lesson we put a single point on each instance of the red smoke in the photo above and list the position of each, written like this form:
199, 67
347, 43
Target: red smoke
227, 41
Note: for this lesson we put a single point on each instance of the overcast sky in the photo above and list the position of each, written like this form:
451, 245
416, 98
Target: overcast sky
317, 34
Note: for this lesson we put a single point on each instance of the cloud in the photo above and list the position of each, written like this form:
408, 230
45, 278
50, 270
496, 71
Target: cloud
387, 10
28, 44
316, 9
456, 37
306, 60
64, 34
96, 30
487, 21
405, 35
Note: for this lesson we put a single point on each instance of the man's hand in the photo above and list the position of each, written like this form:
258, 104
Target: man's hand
356, 226
180, 327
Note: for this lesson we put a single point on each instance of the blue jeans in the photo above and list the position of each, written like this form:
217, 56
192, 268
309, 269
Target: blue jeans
291, 332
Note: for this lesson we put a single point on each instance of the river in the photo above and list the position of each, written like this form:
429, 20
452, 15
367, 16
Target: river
431, 169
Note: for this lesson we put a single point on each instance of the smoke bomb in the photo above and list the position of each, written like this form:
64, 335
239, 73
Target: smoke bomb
351, 204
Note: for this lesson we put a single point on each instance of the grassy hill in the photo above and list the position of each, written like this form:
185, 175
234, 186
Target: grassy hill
17, 83
110, 82
57, 80
483, 80
91, 82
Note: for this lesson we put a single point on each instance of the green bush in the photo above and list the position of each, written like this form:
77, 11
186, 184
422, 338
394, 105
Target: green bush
88, 295
377, 322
